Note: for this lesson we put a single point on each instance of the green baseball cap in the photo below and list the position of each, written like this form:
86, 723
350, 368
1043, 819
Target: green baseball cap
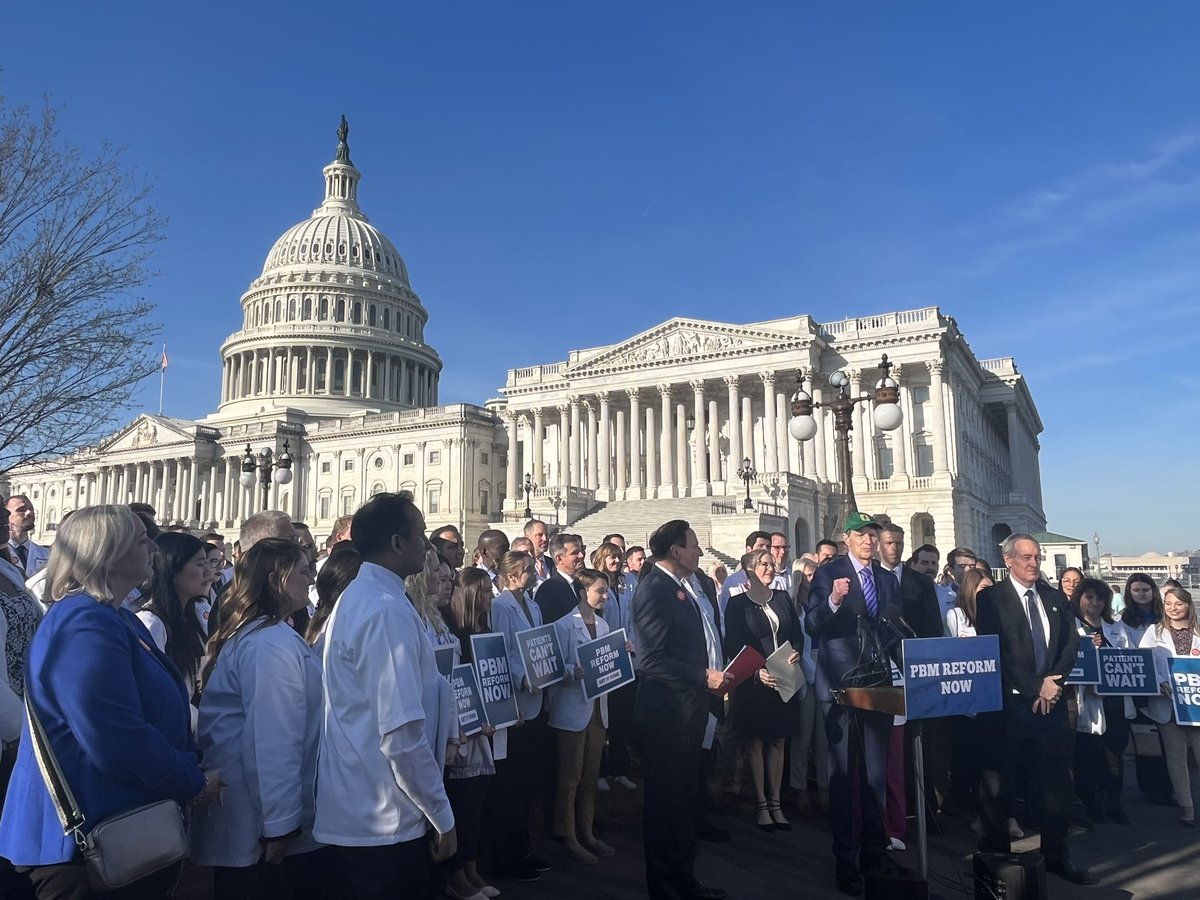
857, 521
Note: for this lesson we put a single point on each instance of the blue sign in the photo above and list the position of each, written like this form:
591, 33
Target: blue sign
467, 704
1127, 672
1185, 684
542, 656
495, 679
443, 655
606, 664
1087, 667
951, 676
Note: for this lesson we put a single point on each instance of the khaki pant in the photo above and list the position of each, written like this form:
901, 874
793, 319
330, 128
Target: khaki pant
578, 769
1176, 740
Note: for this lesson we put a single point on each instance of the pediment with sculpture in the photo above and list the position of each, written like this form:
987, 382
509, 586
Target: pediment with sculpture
148, 431
681, 340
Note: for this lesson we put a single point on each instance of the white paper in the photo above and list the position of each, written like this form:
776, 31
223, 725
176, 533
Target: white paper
789, 678
500, 744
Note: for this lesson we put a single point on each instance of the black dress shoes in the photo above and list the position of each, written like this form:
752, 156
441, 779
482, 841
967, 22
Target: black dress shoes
849, 881
1068, 870
704, 892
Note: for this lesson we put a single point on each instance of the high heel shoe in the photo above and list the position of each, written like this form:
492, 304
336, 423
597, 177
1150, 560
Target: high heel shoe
764, 809
777, 817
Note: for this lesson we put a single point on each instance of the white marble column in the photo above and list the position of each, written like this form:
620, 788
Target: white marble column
858, 434
898, 440
681, 448
735, 429
1015, 461
604, 454
619, 436
511, 474
749, 447
699, 483
564, 446
152, 485
714, 443
770, 439
937, 426
818, 440
575, 476
635, 443
539, 435
781, 434
592, 468
652, 483
666, 445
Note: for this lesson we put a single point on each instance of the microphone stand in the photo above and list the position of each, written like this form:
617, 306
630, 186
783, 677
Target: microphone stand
918, 761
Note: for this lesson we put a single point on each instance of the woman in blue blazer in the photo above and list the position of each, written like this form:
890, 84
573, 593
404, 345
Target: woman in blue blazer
114, 707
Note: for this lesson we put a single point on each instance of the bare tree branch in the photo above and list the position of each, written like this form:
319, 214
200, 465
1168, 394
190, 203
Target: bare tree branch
76, 236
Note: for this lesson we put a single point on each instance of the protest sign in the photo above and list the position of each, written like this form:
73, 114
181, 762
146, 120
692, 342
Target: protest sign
495, 681
1185, 685
444, 657
606, 664
1129, 672
1087, 666
542, 656
951, 676
467, 703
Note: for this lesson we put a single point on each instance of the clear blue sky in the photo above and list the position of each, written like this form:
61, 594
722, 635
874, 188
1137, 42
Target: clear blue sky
561, 175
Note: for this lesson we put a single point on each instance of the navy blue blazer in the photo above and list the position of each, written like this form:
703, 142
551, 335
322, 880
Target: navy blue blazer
840, 647
672, 690
116, 712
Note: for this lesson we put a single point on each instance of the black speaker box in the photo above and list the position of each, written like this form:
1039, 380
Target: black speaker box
895, 883
1010, 876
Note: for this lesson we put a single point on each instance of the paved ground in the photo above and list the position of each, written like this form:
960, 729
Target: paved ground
1154, 857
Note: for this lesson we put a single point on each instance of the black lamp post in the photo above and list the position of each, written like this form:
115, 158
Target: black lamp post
887, 415
747, 473
269, 468
528, 487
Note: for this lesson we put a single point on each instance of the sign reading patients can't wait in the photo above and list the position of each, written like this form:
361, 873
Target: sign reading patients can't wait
1127, 672
951, 676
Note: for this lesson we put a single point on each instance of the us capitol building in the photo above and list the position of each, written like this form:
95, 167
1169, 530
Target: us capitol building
331, 363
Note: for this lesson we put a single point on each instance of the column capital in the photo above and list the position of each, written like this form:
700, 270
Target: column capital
508, 415
664, 390
732, 381
854, 375
524, 420
634, 394
587, 405
563, 409
935, 366
421, 445
573, 400
697, 385
602, 396
768, 378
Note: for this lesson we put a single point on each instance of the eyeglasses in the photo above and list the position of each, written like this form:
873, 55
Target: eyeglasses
781, 546
1029, 557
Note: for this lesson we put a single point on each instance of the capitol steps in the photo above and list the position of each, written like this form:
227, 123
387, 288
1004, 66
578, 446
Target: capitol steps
638, 519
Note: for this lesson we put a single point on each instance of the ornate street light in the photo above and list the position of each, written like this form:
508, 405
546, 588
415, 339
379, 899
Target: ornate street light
1096, 541
268, 467
887, 416
747, 474
528, 487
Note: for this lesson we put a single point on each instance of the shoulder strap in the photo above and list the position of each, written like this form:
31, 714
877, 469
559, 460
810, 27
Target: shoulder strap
69, 813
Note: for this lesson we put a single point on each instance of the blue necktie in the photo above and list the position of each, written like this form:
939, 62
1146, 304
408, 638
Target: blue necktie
1037, 632
868, 587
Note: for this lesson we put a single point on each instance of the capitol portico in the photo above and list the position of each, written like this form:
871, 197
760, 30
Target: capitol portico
331, 362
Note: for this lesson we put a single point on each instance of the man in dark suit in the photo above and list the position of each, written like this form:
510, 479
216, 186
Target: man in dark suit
1038, 648
555, 596
848, 609
918, 595
672, 710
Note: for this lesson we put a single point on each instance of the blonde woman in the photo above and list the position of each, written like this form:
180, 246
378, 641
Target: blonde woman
1176, 635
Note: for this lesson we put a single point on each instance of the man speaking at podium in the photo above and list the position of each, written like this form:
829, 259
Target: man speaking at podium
850, 606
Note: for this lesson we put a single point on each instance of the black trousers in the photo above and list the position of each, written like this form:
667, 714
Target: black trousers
1099, 766
466, 796
306, 876
1044, 741
620, 731
388, 872
670, 769
69, 881
518, 780
858, 750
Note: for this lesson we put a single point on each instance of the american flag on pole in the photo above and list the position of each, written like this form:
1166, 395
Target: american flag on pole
164, 358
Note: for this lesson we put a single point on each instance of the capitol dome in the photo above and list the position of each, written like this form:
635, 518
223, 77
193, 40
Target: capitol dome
332, 324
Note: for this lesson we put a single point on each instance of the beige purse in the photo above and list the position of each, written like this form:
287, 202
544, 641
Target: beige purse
122, 848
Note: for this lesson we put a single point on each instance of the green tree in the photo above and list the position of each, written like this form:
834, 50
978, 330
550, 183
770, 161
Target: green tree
76, 235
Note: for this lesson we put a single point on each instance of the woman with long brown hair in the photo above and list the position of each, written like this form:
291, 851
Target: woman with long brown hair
615, 762
260, 721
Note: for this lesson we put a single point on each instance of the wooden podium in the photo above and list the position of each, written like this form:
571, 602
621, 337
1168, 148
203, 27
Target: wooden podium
882, 699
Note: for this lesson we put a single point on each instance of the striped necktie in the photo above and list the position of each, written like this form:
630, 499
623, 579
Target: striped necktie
872, 598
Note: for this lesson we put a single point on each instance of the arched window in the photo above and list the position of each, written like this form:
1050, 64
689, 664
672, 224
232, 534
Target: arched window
357, 317
308, 308
356, 377
324, 308
387, 317
339, 375
371, 317
377, 488
341, 311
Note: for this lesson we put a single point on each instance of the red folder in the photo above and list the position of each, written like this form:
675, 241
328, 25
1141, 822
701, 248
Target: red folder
744, 665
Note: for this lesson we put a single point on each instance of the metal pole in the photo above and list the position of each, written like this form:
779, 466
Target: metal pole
919, 790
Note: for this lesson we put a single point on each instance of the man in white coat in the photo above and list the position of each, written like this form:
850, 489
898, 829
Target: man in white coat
21, 520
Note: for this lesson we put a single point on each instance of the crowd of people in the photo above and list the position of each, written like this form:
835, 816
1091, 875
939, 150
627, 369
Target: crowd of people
292, 699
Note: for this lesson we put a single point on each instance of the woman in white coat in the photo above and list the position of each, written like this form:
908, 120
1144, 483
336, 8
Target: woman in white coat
1103, 723
260, 723
579, 724
1176, 635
